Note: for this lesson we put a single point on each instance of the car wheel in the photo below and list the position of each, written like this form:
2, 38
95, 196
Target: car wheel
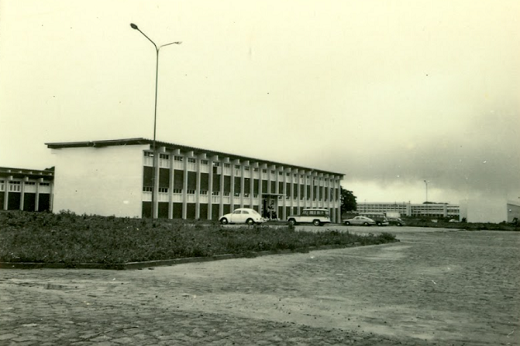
316, 223
347, 223
291, 222
379, 223
365, 223
250, 222
224, 221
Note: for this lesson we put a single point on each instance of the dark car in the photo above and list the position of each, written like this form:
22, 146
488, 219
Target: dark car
395, 221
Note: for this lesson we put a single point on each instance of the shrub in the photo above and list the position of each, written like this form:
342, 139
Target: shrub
70, 238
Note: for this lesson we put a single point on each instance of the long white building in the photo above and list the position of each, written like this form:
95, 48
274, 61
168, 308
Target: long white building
117, 177
409, 209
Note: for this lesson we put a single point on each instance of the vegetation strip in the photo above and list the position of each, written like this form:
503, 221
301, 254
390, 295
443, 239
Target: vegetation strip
83, 241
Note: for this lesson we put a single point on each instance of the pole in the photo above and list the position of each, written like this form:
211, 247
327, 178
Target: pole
426, 182
154, 164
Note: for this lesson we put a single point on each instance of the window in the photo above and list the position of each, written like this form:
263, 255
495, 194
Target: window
246, 168
44, 184
15, 186
255, 169
177, 191
215, 193
29, 183
147, 188
216, 164
164, 156
237, 166
204, 162
227, 165
2, 186
264, 170
191, 192
203, 192
163, 189
178, 158
191, 160
148, 154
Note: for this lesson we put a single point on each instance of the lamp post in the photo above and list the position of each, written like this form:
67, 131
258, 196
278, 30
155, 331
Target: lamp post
157, 48
426, 182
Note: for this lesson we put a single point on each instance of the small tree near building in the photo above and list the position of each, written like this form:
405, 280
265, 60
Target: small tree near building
348, 201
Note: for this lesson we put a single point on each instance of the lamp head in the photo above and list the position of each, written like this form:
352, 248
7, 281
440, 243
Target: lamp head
133, 26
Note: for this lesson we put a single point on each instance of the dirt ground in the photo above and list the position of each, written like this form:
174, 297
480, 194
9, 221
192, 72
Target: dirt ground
435, 287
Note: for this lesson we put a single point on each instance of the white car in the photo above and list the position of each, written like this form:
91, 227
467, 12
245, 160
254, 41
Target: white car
242, 215
316, 216
359, 220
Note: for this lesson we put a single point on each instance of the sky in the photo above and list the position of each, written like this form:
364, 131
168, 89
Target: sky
389, 93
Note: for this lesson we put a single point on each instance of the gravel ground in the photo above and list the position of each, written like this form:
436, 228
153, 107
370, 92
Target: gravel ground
435, 287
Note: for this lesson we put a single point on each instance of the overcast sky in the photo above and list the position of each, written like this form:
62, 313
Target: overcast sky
390, 93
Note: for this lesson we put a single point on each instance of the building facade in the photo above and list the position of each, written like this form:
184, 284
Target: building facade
26, 189
117, 177
494, 210
409, 209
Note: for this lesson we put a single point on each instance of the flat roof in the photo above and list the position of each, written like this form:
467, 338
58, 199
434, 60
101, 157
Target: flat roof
145, 141
24, 172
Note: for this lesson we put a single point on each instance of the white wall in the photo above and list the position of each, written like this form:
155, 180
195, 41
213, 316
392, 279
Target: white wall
484, 210
103, 181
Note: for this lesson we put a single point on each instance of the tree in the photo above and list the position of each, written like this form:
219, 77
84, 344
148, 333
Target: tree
348, 201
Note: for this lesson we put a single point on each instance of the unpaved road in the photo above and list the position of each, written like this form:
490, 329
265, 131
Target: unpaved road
435, 287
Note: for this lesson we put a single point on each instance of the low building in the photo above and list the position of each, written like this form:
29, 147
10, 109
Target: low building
26, 189
122, 177
409, 209
490, 210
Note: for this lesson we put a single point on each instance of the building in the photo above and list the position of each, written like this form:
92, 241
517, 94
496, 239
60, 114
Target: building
409, 209
26, 189
116, 177
490, 210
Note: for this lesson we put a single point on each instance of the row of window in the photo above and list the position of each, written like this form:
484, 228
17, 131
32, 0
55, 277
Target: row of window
16, 186
226, 194
227, 165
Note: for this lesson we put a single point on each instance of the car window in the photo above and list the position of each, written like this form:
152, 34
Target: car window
305, 213
245, 212
236, 212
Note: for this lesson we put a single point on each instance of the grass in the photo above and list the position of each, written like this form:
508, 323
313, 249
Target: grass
468, 226
70, 238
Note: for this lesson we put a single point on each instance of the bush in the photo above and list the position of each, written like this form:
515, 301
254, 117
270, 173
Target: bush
70, 238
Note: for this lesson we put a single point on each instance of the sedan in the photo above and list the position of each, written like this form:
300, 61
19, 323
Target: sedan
242, 215
360, 220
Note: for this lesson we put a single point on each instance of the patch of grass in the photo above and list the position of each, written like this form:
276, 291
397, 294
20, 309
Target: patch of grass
70, 238
468, 226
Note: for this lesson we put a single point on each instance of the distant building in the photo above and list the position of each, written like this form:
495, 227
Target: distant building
116, 177
26, 189
490, 210
409, 209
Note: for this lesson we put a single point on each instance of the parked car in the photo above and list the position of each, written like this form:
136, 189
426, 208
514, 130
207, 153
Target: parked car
315, 216
395, 221
242, 215
359, 220
379, 218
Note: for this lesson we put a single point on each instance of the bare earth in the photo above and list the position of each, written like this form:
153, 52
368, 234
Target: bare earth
435, 287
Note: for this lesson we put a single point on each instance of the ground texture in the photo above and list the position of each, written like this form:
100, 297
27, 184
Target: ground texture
435, 287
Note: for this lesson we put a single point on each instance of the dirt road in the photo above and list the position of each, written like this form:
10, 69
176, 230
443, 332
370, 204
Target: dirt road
435, 287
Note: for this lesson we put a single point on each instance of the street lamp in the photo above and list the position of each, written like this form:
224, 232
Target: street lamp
157, 48
426, 182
